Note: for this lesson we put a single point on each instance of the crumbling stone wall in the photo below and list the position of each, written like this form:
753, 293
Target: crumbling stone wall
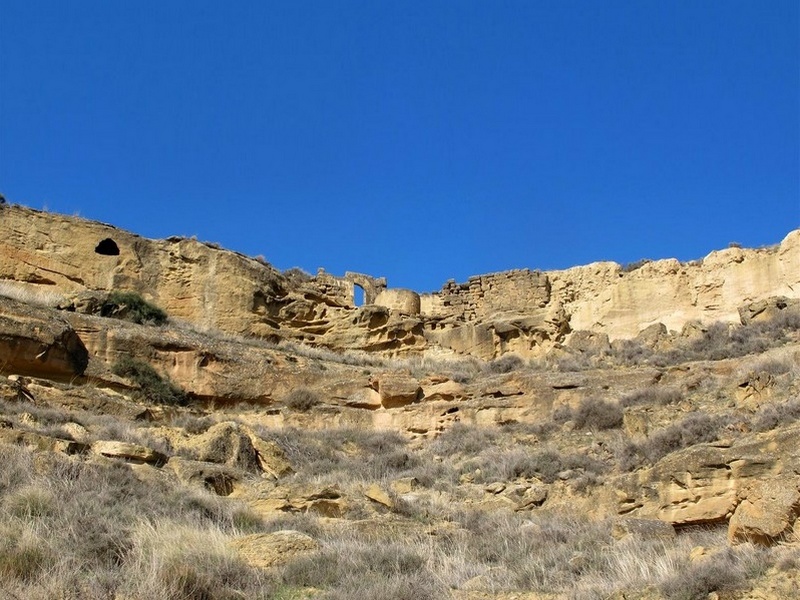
372, 286
342, 289
482, 296
336, 289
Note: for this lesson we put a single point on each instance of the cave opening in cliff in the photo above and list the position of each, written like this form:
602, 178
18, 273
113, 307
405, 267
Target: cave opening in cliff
107, 247
358, 295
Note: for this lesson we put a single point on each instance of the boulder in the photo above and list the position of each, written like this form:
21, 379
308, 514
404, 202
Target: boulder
364, 398
397, 389
271, 457
220, 479
226, 443
589, 342
37, 341
266, 550
767, 513
653, 335
325, 500
378, 495
767, 309
128, 452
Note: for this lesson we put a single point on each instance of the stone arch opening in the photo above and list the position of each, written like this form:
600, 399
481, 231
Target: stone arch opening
107, 247
371, 286
359, 295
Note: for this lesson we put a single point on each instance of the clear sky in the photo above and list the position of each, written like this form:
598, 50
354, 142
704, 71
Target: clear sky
417, 140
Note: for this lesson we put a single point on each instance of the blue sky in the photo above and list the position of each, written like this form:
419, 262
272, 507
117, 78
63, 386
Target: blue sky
420, 141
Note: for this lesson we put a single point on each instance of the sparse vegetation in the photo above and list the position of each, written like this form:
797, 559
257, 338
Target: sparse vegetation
297, 276
490, 487
152, 386
37, 295
598, 414
633, 266
696, 428
505, 364
301, 400
132, 307
651, 396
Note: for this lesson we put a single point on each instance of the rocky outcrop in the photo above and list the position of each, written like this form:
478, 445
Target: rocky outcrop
37, 441
35, 343
265, 550
324, 500
768, 512
128, 452
397, 389
525, 312
708, 483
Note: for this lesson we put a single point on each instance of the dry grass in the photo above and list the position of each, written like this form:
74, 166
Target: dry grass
180, 561
30, 293
74, 529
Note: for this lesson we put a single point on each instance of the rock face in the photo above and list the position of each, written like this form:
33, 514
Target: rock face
397, 389
525, 312
711, 483
768, 512
604, 298
32, 343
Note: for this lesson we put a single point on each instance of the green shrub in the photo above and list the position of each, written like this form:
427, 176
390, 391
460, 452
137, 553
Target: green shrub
132, 307
153, 387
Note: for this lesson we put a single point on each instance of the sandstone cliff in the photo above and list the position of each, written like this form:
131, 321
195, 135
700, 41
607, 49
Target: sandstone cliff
525, 312
247, 429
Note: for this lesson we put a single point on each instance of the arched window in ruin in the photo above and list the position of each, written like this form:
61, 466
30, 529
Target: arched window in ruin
358, 295
107, 247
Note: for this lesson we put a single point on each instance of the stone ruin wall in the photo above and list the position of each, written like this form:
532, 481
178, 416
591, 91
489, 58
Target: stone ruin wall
341, 290
483, 296
218, 289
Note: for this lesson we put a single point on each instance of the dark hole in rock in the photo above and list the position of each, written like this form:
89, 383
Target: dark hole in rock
107, 247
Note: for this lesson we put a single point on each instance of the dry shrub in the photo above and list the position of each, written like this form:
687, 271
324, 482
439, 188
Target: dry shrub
465, 440
24, 554
505, 364
653, 396
726, 571
344, 454
301, 400
597, 415
30, 293
364, 569
773, 416
696, 428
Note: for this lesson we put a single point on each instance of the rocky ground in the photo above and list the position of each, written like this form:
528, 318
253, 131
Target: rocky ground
162, 461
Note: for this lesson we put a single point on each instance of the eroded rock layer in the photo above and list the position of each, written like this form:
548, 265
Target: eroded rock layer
524, 312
